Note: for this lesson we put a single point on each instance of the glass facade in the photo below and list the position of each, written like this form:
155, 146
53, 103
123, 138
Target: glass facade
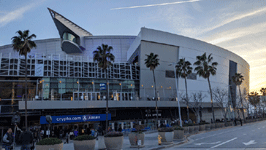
70, 37
66, 89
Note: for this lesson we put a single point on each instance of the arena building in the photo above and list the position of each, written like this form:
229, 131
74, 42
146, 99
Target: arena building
63, 80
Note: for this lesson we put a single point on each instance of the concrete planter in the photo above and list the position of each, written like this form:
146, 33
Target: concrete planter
196, 129
114, 143
186, 130
136, 136
212, 126
217, 125
86, 144
222, 125
178, 134
202, 127
191, 129
207, 126
47, 147
167, 137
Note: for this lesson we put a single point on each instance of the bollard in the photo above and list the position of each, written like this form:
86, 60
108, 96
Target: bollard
159, 140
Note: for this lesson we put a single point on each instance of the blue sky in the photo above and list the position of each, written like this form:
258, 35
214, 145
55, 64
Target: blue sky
236, 25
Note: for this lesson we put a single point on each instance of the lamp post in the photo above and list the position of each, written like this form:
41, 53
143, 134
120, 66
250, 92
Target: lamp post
61, 89
78, 89
177, 95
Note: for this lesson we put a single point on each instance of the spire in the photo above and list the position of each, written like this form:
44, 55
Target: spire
62, 22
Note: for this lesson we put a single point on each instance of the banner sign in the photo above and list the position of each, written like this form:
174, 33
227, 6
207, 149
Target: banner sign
39, 70
76, 118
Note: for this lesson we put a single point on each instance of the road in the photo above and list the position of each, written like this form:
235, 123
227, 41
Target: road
246, 137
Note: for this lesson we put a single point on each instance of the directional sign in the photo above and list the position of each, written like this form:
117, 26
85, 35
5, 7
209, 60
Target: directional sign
102, 86
250, 142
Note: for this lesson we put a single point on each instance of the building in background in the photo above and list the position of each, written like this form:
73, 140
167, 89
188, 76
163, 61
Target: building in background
64, 80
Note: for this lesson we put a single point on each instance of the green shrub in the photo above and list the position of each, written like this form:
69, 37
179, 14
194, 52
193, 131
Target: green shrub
49, 141
113, 134
178, 128
84, 137
165, 129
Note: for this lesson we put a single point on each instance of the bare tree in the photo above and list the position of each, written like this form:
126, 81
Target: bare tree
196, 106
254, 100
221, 98
246, 104
186, 99
263, 101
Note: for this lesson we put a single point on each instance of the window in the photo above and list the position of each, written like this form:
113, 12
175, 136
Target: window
70, 37
192, 76
169, 74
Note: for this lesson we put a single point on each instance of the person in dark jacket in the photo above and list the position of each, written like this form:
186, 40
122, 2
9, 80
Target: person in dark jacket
100, 130
26, 139
7, 140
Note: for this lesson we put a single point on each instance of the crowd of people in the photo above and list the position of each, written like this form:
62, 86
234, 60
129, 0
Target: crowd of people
26, 138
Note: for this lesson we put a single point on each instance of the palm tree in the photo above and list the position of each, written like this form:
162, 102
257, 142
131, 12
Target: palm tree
238, 79
23, 44
263, 91
152, 62
104, 58
205, 68
183, 69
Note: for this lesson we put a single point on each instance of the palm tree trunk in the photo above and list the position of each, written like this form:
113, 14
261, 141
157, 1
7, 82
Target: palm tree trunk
213, 117
107, 96
155, 99
242, 108
187, 99
26, 91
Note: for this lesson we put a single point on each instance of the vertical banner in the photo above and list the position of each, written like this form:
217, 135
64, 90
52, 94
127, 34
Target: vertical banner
122, 125
113, 126
39, 70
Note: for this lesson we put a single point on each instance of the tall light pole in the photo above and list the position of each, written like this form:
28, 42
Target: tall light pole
61, 89
78, 89
177, 95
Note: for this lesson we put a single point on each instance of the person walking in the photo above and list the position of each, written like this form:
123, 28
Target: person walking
76, 133
101, 144
100, 130
7, 140
120, 129
27, 140
67, 137
240, 121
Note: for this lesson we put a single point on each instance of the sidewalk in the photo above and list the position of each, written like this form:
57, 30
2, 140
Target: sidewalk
150, 142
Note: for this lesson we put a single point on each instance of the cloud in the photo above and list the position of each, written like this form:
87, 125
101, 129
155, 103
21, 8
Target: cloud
235, 18
16, 14
236, 33
152, 5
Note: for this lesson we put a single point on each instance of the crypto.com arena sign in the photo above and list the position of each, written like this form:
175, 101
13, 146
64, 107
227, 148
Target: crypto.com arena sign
76, 118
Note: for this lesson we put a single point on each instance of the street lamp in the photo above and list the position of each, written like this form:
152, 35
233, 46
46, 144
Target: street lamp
177, 95
37, 83
78, 89
61, 89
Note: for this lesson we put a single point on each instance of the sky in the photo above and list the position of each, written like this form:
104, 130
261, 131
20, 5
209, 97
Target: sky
236, 25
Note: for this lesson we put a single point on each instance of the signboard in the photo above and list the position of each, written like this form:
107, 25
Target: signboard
102, 86
76, 118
